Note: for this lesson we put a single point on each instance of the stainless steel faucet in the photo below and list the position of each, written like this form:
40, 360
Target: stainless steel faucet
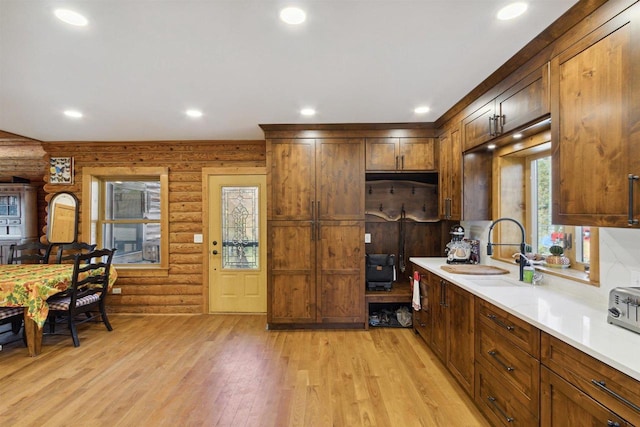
522, 259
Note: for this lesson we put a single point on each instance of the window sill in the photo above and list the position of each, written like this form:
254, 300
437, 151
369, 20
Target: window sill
566, 273
141, 271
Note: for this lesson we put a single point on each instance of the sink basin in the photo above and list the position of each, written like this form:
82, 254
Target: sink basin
495, 282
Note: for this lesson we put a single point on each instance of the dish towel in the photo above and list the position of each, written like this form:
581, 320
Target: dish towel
415, 303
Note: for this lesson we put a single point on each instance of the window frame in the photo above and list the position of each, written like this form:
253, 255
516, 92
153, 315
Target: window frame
535, 147
92, 177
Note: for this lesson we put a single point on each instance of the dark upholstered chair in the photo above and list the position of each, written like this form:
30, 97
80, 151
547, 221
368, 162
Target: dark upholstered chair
66, 252
15, 316
86, 295
29, 253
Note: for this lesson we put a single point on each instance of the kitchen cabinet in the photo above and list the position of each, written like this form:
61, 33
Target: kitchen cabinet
522, 103
18, 216
577, 387
507, 367
422, 317
596, 126
450, 177
400, 154
450, 314
316, 226
565, 405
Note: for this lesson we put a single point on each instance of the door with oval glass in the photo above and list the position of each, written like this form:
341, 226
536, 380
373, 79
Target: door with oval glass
237, 243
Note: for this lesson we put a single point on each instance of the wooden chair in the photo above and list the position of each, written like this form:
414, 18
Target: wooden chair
66, 252
87, 293
29, 253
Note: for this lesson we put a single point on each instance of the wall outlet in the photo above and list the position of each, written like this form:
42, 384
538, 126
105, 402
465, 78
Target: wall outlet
116, 290
635, 277
197, 238
367, 237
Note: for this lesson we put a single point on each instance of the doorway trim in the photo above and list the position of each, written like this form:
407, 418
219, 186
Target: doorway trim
206, 173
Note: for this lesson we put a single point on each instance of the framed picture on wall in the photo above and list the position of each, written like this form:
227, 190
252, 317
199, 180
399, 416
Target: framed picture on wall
61, 170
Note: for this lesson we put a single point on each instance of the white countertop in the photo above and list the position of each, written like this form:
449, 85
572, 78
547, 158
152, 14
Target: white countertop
573, 320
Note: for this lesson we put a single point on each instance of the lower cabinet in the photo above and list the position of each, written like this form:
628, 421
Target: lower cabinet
448, 325
507, 367
583, 390
565, 405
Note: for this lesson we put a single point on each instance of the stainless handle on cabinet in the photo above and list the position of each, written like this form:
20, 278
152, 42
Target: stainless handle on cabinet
491, 118
397, 162
403, 161
495, 405
313, 221
447, 208
494, 354
632, 178
603, 386
612, 423
500, 323
500, 123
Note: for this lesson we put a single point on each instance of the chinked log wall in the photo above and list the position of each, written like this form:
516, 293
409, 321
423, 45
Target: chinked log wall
182, 290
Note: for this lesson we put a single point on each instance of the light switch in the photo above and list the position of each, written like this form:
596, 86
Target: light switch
367, 237
197, 238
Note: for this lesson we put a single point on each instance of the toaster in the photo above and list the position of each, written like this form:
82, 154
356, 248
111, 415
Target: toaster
623, 308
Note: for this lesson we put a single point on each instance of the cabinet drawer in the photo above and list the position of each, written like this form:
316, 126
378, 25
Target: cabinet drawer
513, 364
517, 331
498, 400
613, 389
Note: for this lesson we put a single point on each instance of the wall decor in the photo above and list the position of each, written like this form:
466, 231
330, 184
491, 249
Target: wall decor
61, 170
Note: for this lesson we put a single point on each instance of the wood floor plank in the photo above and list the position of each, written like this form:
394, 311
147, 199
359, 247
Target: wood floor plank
228, 370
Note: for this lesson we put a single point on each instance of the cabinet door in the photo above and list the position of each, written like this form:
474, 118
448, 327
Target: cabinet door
382, 154
479, 127
461, 335
341, 179
564, 405
438, 309
422, 317
450, 177
417, 154
292, 179
596, 125
341, 266
291, 270
524, 102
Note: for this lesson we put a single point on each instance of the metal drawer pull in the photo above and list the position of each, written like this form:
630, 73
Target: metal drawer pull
632, 178
603, 386
494, 354
612, 423
500, 323
495, 405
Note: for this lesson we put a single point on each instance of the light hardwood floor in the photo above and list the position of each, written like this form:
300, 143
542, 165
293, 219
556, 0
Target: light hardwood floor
227, 370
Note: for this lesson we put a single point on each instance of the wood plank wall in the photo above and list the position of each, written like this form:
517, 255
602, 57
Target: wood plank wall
182, 290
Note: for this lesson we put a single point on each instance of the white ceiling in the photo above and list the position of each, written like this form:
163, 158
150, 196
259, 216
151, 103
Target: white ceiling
141, 63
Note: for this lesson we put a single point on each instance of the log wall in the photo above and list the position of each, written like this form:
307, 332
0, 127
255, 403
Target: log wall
182, 290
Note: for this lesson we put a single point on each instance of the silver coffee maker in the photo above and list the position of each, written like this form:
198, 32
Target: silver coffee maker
458, 250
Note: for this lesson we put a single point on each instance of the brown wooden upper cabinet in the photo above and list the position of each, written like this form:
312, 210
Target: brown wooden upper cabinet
400, 154
596, 126
450, 176
522, 103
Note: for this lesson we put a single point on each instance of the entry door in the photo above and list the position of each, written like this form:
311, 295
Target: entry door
237, 243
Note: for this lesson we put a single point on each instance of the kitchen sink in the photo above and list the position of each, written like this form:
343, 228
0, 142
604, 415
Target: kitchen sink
495, 282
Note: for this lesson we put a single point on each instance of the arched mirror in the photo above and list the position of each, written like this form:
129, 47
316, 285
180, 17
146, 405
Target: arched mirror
63, 218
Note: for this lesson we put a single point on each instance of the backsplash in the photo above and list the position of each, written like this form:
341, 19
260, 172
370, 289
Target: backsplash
619, 261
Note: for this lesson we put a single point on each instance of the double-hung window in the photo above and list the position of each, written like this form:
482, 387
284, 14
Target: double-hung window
128, 212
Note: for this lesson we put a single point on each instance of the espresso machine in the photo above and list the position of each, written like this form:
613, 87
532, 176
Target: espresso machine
460, 250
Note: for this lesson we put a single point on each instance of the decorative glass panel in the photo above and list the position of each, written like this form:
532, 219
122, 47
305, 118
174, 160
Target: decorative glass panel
240, 231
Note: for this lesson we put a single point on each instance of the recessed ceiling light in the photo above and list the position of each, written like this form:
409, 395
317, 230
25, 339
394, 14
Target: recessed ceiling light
73, 113
421, 110
517, 135
194, 113
71, 17
308, 112
512, 10
293, 15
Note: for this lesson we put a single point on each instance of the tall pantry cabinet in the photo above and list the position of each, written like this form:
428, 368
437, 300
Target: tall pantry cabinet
316, 229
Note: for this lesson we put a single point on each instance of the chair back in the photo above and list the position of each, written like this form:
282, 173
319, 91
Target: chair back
91, 274
29, 253
66, 252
